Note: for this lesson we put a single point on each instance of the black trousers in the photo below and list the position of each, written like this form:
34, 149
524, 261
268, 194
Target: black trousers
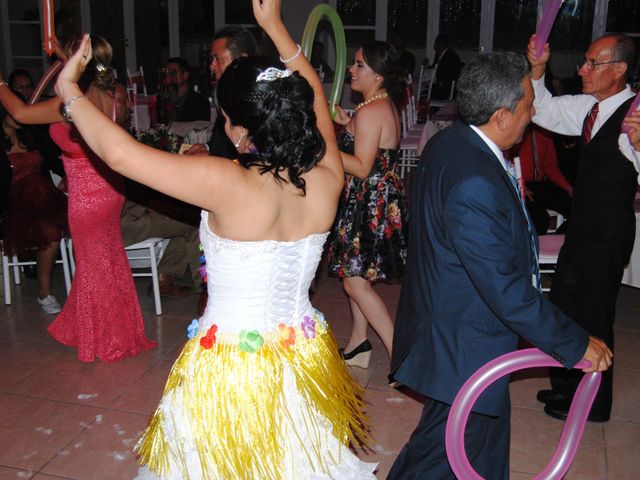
546, 195
424, 457
585, 287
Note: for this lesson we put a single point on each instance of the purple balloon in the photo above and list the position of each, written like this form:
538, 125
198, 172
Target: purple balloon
496, 369
634, 106
546, 22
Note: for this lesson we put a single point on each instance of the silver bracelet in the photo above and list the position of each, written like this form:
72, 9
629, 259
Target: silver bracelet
66, 108
291, 59
3, 83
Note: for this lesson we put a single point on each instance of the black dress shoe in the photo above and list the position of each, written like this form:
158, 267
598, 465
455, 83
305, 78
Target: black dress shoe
392, 382
359, 356
560, 410
546, 396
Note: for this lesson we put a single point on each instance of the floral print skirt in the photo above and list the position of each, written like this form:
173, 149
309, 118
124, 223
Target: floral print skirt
369, 237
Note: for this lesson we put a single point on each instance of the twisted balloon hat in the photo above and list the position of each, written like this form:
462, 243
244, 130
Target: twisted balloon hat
492, 371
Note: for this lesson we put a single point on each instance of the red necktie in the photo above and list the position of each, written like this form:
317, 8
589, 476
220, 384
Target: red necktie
588, 123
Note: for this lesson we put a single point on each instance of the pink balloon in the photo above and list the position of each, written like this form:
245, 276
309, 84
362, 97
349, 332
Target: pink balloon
496, 369
51, 72
49, 30
546, 22
634, 106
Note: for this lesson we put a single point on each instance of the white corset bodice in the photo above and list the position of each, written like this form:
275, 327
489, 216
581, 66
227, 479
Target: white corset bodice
257, 285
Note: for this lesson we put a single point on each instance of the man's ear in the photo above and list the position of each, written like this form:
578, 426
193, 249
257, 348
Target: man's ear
621, 69
500, 119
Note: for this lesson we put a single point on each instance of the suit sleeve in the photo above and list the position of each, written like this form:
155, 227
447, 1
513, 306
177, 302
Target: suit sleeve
477, 214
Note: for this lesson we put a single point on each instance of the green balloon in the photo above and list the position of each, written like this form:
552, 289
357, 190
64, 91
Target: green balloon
309, 34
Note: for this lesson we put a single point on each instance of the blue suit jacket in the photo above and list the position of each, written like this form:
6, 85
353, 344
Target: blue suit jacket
467, 294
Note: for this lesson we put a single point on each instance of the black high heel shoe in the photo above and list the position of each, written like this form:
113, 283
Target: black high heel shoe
359, 356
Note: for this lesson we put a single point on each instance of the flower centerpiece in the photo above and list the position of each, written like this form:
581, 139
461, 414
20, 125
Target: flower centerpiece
160, 138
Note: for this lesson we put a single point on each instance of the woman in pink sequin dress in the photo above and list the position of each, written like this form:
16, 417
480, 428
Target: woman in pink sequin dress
101, 316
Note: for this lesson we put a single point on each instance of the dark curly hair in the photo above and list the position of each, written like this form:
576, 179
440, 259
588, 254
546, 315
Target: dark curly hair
278, 115
383, 59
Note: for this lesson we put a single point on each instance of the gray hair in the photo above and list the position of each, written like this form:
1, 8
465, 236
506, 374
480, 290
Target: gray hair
490, 82
624, 50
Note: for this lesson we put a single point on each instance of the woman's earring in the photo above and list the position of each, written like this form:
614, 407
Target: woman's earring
240, 138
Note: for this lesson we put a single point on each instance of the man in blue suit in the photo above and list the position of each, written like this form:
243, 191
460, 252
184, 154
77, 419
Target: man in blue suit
471, 286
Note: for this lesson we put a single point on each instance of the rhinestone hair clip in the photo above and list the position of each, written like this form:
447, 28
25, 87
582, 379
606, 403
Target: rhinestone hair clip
273, 73
101, 67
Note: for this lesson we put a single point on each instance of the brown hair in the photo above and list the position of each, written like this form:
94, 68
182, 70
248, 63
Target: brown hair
99, 71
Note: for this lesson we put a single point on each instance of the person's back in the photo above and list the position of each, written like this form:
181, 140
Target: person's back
260, 380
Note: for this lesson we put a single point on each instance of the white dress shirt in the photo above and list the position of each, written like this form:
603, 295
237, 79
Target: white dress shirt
494, 148
565, 115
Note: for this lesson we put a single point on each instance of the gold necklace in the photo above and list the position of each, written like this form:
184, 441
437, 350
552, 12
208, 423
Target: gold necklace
377, 96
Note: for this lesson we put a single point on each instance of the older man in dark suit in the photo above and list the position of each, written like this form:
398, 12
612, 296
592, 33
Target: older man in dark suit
470, 289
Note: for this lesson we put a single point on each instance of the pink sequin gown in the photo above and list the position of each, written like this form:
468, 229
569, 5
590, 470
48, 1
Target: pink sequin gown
101, 316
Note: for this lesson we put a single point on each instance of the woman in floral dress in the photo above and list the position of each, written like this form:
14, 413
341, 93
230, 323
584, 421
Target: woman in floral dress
369, 235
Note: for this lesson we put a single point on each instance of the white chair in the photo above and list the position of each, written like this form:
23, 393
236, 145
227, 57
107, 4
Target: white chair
136, 81
548, 255
427, 75
15, 263
558, 220
143, 255
408, 156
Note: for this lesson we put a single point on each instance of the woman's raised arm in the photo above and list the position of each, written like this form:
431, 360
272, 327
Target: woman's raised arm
267, 13
199, 180
38, 113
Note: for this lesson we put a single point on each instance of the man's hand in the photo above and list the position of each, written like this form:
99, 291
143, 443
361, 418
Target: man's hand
197, 149
598, 354
538, 64
633, 122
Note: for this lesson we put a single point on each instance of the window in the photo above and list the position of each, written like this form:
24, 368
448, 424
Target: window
514, 24
409, 19
359, 19
239, 12
106, 21
196, 31
623, 16
460, 21
573, 27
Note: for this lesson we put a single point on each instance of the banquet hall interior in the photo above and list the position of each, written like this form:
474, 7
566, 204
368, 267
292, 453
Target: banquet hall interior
63, 419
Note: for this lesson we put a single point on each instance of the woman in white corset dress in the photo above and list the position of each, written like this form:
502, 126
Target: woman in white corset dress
259, 391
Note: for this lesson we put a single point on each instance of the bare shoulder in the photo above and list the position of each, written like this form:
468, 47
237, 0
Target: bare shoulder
328, 172
376, 113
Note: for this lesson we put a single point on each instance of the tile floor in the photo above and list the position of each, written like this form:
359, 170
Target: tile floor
61, 419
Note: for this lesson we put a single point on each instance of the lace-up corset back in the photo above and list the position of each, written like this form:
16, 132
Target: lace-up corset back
258, 285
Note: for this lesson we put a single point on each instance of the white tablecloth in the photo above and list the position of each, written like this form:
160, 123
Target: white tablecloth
631, 275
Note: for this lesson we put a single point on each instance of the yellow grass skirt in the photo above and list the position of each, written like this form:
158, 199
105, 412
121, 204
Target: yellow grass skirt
256, 413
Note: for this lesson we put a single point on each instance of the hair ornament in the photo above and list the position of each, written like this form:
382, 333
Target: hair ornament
101, 67
273, 73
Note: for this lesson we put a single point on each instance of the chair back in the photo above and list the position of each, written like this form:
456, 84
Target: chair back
424, 80
135, 81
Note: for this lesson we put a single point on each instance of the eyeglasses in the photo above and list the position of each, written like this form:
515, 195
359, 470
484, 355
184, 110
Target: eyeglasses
592, 64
